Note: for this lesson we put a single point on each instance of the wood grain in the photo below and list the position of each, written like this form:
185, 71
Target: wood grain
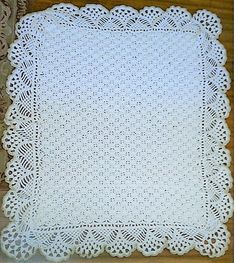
223, 9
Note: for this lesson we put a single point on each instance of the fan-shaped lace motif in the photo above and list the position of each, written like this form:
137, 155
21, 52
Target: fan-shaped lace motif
20, 140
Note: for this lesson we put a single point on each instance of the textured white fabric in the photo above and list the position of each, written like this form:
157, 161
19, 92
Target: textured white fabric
118, 134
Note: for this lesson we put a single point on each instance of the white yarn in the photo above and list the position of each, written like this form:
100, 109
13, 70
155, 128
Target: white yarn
117, 133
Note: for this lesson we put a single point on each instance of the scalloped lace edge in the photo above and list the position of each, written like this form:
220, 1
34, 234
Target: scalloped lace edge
149, 241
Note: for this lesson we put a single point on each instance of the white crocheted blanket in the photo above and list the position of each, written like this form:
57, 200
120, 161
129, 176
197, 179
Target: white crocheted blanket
117, 133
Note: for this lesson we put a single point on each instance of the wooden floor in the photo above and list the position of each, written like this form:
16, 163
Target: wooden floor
224, 9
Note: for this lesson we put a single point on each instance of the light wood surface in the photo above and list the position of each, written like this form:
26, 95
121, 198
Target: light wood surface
224, 9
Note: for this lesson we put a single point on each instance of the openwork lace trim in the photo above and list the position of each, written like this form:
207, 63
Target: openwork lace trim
5, 31
21, 8
4, 16
18, 239
9, 12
